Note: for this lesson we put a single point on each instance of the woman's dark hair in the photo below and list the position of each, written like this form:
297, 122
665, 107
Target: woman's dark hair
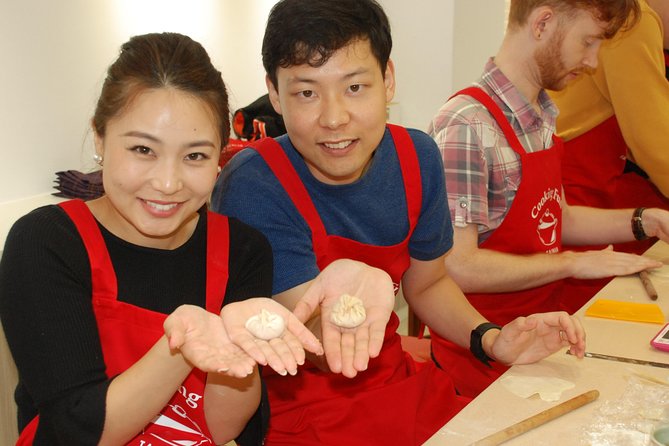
162, 60
310, 31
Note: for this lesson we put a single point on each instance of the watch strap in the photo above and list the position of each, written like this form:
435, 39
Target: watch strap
637, 225
476, 341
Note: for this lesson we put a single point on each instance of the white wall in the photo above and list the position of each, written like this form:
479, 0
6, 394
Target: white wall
55, 54
54, 57
423, 57
439, 47
478, 32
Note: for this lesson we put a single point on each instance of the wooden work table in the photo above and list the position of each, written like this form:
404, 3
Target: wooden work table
497, 407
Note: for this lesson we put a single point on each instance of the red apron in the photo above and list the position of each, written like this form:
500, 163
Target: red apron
532, 225
603, 184
127, 332
593, 172
394, 402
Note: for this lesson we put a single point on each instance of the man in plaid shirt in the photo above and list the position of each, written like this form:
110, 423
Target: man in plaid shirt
503, 177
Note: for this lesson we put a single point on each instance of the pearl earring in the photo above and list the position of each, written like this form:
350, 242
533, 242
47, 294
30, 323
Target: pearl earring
219, 169
97, 158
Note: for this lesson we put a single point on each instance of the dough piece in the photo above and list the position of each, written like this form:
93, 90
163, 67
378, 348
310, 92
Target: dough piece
549, 389
266, 325
348, 312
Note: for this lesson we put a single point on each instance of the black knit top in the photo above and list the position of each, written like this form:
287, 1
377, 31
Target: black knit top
47, 315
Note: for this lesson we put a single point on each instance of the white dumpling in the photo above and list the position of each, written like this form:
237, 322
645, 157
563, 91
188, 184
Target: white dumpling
266, 325
348, 312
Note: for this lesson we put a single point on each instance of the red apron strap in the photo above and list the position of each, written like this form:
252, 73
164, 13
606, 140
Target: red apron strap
89, 231
102, 274
282, 168
28, 433
408, 159
218, 246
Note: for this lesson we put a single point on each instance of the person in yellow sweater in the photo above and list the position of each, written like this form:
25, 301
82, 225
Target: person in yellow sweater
615, 126
615, 121
662, 8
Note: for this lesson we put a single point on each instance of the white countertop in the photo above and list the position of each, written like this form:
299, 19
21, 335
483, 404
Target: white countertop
497, 408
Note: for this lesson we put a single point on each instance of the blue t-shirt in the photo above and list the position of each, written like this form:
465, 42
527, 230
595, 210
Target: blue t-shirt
371, 210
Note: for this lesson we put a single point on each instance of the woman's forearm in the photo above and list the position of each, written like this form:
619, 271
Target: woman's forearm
142, 391
229, 403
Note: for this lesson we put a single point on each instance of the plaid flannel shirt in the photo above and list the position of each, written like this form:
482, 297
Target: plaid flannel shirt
482, 171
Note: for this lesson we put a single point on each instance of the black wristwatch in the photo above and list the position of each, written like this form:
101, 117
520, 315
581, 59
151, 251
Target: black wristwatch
475, 341
637, 225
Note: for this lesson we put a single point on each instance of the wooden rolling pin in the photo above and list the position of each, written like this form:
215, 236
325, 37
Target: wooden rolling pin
648, 285
538, 419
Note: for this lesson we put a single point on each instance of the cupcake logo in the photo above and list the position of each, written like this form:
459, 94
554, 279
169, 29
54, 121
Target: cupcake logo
547, 228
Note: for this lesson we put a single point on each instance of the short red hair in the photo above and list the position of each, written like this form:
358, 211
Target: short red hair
616, 13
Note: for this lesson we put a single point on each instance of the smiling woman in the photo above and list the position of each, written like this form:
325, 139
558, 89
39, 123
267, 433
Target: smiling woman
142, 291
160, 164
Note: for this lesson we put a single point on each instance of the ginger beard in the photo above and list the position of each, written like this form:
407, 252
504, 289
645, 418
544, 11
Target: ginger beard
553, 73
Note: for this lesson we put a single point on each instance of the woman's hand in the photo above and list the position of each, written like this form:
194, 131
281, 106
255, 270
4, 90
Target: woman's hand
201, 338
284, 353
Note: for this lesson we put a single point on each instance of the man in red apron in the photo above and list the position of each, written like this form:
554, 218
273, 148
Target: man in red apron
503, 173
392, 379
343, 184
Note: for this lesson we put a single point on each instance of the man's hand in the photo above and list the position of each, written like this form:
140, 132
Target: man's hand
656, 223
529, 339
348, 350
606, 262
